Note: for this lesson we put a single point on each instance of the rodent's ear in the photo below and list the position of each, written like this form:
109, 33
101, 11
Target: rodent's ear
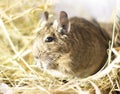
44, 19
46, 15
64, 21
63, 18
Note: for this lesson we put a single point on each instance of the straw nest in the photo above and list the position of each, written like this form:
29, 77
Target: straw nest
19, 19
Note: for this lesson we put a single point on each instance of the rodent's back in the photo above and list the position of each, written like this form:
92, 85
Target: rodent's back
89, 47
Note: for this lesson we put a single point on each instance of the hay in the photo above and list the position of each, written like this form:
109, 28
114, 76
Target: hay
18, 75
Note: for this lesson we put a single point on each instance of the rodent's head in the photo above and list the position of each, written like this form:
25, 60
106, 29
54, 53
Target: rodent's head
52, 42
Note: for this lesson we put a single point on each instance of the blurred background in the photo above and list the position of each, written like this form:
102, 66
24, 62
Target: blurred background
102, 10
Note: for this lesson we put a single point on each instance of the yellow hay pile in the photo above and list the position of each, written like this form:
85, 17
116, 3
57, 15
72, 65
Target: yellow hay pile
19, 19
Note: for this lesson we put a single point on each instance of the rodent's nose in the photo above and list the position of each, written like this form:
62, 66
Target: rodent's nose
49, 39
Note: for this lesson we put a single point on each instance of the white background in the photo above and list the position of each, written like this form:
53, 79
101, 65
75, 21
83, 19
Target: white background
102, 10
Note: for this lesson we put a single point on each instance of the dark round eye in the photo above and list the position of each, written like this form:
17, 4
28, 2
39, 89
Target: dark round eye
49, 39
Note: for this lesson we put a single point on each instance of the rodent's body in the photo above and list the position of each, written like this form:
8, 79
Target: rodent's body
80, 52
88, 47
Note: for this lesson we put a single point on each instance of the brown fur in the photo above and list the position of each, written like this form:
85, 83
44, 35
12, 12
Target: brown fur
79, 53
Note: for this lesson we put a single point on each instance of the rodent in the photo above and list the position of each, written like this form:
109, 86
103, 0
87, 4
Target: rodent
72, 47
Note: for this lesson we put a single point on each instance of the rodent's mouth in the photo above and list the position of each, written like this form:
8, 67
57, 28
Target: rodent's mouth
48, 62
52, 65
51, 68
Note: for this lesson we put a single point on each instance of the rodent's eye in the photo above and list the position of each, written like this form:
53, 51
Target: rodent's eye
49, 39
